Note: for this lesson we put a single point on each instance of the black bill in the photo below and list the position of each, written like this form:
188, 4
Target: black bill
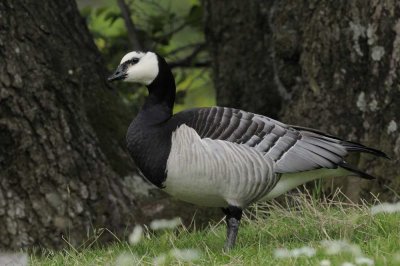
119, 74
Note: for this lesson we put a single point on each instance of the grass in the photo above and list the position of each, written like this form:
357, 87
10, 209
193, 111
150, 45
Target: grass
263, 230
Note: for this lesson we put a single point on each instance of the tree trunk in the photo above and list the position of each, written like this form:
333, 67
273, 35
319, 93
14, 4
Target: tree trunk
55, 180
334, 64
65, 174
239, 39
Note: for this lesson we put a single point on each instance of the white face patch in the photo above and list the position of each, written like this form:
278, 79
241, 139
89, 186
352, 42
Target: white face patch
131, 55
144, 71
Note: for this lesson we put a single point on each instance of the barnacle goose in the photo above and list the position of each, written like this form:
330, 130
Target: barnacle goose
223, 157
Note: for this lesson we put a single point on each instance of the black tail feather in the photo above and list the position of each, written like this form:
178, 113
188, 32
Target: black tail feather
356, 147
349, 145
356, 171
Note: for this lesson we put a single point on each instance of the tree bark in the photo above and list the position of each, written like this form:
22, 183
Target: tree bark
55, 180
65, 174
333, 64
239, 39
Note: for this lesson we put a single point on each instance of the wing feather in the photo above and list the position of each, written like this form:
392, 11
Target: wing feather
294, 149
210, 121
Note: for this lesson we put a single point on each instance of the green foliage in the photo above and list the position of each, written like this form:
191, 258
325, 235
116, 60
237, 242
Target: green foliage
266, 228
172, 28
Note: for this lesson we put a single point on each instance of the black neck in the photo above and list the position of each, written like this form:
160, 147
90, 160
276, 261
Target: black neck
162, 92
149, 137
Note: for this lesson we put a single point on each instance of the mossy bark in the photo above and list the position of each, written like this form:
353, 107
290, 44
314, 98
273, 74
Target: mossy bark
335, 66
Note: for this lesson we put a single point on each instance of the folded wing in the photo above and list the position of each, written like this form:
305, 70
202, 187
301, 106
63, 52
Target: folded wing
294, 149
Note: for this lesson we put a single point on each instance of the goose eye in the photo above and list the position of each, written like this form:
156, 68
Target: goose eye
134, 60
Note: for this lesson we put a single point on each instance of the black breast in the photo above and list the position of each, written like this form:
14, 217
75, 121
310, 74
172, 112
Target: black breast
149, 146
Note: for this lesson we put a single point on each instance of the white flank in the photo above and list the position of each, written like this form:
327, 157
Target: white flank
216, 173
385, 208
144, 71
292, 180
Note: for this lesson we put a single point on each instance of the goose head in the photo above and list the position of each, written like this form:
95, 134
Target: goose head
137, 67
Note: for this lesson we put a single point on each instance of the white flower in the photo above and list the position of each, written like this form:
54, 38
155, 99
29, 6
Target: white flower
20, 259
386, 208
280, 253
364, 261
127, 259
160, 259
325, 263
396, 257
165, 224
294, 253
333, 247
185, 254
346, 263
136, 235
306, 251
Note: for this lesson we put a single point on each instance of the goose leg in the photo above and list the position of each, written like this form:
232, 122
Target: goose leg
233, 216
